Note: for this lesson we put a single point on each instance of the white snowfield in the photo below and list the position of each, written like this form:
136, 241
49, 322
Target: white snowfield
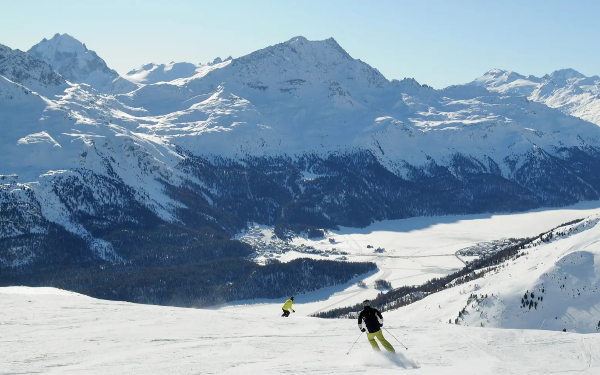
154, 73
54, 332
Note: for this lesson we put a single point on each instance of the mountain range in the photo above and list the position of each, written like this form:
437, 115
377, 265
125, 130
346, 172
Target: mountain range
567, 90
162, 169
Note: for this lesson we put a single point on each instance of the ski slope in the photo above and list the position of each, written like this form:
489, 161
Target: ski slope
46, 330
51, 331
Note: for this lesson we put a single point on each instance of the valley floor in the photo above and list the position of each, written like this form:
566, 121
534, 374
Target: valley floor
50, 331
417, 250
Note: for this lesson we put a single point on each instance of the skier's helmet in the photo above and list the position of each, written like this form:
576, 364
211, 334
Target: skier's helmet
366, 303
292, 298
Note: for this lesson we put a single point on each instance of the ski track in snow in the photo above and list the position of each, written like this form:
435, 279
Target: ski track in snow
49, 331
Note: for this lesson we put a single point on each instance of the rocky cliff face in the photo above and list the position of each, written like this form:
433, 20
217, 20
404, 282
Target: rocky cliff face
77, 64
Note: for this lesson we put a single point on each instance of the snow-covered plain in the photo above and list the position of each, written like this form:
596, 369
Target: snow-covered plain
417, 250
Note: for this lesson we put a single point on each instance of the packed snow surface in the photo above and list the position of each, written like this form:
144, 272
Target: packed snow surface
51, 331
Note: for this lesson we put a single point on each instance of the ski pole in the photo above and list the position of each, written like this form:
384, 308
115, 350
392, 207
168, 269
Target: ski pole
354, 343
395, 338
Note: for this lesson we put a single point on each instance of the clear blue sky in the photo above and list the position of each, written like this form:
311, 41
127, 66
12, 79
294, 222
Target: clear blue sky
437, 42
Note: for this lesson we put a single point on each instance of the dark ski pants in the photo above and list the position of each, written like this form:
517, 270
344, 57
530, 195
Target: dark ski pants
286, 313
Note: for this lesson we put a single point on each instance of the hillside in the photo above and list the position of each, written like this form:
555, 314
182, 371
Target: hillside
552, 285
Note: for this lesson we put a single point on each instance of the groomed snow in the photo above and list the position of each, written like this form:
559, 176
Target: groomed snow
54, 332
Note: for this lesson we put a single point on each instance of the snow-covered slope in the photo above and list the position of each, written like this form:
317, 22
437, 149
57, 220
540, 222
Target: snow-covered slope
47, 143
77, 64
326, 101
52, 331
565, 89
155, 73
553, 285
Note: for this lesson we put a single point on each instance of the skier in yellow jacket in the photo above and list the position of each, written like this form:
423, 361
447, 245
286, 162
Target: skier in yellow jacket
287, 307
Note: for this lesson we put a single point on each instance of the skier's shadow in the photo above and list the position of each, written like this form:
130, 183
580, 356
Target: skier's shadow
400, 360
387, 360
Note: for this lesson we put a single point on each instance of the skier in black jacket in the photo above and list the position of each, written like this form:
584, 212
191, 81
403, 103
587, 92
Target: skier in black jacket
374, 321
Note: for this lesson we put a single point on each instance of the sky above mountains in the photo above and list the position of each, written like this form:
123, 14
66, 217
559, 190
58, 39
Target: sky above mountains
438, 43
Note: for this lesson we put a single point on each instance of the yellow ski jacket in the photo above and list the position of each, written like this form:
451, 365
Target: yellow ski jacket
288, 305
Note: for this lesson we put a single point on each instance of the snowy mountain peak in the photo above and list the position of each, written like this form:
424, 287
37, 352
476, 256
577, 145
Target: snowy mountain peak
297, 39
64, 43
324, 52
76, 63
564, 75
409, 85
499, 77
218, 60
496, 72
287, 67
566, 89
69, 57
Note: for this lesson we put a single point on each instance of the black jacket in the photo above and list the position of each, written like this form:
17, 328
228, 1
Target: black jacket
372, 317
